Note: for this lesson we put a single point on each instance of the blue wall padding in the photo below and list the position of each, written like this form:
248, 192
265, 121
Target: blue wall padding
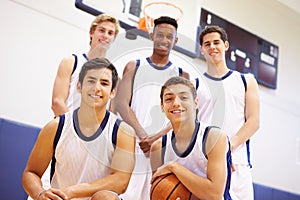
16, 142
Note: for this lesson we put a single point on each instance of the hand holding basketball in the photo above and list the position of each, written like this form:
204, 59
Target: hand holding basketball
169, 187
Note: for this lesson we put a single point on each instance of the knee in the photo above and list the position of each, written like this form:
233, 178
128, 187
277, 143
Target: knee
102, 195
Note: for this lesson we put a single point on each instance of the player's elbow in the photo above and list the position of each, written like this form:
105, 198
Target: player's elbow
56, 105
123, 183
119, 107
214, 195
255, 124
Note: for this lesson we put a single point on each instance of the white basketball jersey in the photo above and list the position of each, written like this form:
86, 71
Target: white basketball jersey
74, 97
222, 104
81, 159
145, 101
194, 158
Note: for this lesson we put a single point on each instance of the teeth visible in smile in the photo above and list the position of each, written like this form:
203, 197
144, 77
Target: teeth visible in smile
95, 96
177, 111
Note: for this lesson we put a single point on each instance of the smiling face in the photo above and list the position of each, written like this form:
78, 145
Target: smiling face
96, 88
164, 38
213, 48
179, 104
104, 34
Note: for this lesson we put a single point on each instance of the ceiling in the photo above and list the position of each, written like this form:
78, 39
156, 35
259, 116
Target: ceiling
292, 4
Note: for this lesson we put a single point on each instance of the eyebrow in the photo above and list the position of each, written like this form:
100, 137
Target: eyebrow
101, 79
217, 40
180, 93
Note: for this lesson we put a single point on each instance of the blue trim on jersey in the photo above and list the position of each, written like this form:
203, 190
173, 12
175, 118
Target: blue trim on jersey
85, 56
180, 71
196, 83
218, 79
204, 139
56, 138
248, 152
75, 63
190, 146
115, 131
163, 148
229, 171
244, 81
96, 134
138, 63
156, 67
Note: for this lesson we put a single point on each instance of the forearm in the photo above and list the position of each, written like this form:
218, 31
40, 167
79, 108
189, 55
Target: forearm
249, 128
202, 188
59, 107
32, 184
129, 117
115, 182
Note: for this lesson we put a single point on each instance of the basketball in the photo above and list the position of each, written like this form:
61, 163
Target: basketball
169, 187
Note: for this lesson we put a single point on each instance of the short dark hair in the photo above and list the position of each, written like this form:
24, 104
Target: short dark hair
175, 81
165, 20
213, 29
98, 63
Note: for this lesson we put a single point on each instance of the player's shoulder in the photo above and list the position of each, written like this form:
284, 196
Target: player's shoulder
67, 63
130, 66
215, 135
251, 81
157, 145
51, 127
126, 128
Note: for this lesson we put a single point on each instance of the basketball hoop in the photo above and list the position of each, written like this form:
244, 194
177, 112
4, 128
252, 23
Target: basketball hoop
155, 10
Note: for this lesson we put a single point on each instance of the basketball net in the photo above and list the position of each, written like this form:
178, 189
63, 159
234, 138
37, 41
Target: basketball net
155, 10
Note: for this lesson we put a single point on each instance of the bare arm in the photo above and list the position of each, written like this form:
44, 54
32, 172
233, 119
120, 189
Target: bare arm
121, 168
123, 97
155, 155
38, 161
61, 86
252, 107
211, 187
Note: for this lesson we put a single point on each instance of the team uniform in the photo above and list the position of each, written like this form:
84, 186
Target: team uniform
80, 159
222, 103
145, 103
194, 157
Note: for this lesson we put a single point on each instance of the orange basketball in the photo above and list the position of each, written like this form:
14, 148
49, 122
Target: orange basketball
169, 187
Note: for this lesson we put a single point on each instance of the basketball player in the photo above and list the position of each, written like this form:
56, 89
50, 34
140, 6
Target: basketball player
137, 101
92, 150
229, 100
199, 155
65, 96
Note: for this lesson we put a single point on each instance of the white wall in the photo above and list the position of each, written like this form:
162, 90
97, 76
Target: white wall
35, 35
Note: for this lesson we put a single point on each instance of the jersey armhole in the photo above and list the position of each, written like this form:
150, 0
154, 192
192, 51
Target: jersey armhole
180, 71
163, 148
244, 81
115, 132
205, 136
75, 63
56, 139
138, 62
196, 83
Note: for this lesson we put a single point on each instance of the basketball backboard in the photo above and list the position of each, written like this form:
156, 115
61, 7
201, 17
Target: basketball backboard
130, 12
